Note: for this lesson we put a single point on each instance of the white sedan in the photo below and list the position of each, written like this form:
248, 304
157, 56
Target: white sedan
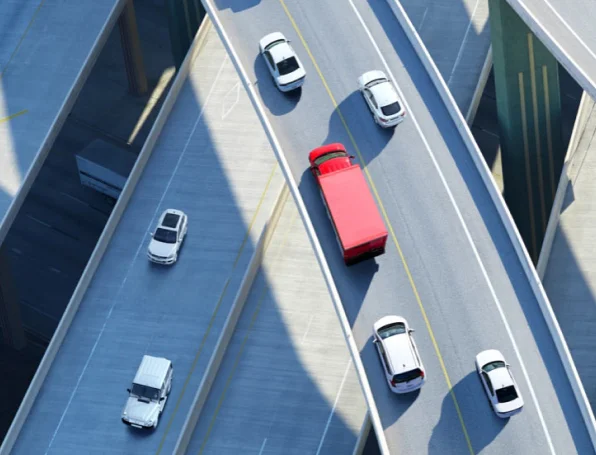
499, 385
283, 63
381, 98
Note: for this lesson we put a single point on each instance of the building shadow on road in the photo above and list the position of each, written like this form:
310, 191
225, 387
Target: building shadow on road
235, 5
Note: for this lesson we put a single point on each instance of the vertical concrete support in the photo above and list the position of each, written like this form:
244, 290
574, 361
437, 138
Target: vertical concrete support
10, 315
184, 19
131, 47
529, 112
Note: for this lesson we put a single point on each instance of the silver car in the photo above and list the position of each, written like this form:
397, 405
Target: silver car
149, 392
168, 237
283, 63
499, 385
399, 355
381, 98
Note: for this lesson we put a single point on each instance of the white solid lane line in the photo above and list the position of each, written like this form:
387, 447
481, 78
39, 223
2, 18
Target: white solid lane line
115, 300
460, 217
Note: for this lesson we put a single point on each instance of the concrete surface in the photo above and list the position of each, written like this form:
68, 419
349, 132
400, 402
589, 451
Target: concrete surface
570, 275
133, 307
287, 384
414, 197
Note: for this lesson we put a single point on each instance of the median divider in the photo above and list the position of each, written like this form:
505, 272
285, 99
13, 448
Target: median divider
511, 228
102, 244
293, 187
585, 109
229, 327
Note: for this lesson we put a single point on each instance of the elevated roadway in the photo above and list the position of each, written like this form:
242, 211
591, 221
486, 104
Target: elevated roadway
567, 262
132, 307
566, 28
47, 49
287, 383
451, 268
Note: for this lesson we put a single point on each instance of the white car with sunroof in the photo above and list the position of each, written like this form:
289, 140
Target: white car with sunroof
381, 98
284, 65
168, 237
399, 355
498, 382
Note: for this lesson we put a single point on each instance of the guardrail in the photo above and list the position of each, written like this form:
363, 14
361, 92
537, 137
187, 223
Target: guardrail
497, 198
230, 324
339, 309
102, 244
585, 108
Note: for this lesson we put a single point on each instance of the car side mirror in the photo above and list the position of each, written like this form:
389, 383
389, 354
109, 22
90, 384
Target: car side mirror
128, 390
162, 398
289, 41
352, 157
151, 234
374, 340
411, 330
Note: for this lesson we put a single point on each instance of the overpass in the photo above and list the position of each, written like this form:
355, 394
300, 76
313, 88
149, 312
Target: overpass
428, 170
405, 182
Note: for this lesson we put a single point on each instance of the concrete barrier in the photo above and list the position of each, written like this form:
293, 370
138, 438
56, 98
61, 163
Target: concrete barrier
508, 222
585, 108
279, 153
362, 436
230, 324
100, 248
478, 92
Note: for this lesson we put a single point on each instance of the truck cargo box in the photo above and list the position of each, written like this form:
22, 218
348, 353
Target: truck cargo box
353, 212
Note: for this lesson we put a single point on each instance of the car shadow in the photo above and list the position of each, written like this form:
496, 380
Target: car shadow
277, 102
347, 122
235, 5
481, 423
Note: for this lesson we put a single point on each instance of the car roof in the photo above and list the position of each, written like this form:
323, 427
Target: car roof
500, 377
152, 371
281, 51
384, 93
400, 353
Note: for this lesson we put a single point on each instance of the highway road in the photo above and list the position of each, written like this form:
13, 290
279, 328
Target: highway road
567, 29
450, 269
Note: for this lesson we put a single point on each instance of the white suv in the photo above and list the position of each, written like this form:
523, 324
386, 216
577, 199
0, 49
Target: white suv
167, 238
399, 355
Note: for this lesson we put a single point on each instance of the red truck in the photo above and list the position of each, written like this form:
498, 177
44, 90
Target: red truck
359, 228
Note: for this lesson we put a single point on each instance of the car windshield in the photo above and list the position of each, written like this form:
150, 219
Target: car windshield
165, 235
391, 109
274, 43
392, 329
506, 394
329, 156
145, 391
287, 66
407, 376
493, 365
376, 82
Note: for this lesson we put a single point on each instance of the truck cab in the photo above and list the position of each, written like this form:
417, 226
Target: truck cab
329, 158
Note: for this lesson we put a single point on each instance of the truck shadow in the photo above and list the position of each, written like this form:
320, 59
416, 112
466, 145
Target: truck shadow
354, 280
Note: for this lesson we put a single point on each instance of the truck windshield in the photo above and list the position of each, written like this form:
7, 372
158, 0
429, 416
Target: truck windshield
145, 391
329, 156
165, 235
